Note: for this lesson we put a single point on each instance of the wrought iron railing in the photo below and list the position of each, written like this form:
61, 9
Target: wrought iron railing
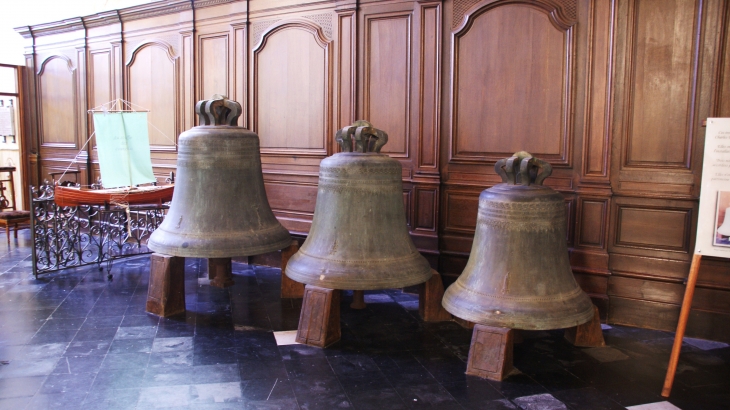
67, 237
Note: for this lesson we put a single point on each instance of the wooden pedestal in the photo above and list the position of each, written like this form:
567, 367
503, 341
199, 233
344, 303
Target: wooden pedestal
220, 272
429, 300
290, 288
358, 300
319, 322
490, 354
588, 334
166, 292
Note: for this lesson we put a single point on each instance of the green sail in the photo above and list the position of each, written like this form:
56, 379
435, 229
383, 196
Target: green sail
123, 144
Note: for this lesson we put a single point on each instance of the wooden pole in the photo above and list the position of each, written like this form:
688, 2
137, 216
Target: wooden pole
682, 325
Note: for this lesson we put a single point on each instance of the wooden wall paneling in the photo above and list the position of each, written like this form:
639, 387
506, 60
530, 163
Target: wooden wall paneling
213, 65
346, 84
117, 69
665, 67
597, 132
29, 82
152, 82
458, 216
722, 97
509, 88
668, 67
424, 226
61, 125
58, 95
239, 51
427, 90
104, 68
524, 101
291, 94
655, 315
386, 88
292, 201
101, 91
188, 85
589, 254
425, 112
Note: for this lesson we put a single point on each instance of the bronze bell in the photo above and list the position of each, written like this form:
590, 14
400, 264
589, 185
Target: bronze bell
518, 275
219, 208
359, 239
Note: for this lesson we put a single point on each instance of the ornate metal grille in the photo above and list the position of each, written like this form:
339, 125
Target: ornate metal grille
67, 237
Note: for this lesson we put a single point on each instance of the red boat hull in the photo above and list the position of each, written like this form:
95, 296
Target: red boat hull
72, 196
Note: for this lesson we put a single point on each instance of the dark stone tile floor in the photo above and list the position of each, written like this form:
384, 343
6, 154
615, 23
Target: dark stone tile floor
73, 340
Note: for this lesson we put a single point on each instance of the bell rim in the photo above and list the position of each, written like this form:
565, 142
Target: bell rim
310, 276
193, 252
517, 319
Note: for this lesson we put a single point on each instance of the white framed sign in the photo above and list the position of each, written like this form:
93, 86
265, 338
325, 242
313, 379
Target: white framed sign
713, 222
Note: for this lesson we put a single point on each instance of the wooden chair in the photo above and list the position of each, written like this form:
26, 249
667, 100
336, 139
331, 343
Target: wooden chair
9, 215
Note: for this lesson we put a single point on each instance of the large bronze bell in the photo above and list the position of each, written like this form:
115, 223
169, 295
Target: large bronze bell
359, 238
518, 275
219, 208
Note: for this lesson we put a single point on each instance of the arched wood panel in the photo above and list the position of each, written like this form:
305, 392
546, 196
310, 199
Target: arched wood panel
292, 78
152, 83
58, 101
512, 74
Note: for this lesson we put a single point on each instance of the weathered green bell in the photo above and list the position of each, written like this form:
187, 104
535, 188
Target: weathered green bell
219, 208
359, 238
518, 275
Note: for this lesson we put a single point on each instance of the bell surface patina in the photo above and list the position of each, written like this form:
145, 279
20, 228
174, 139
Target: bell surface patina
219, 208
518, 275
359, 239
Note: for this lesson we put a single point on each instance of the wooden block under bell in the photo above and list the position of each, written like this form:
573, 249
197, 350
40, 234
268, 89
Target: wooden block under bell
290, 288
490, 354
166, 292
430, 294
220, 272
319, 322
588, 334
358, 300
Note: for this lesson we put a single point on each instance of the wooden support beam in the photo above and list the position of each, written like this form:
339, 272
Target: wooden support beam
290, 288
588, 334
490, 354
358, 300
319, 322
430, 294
166, 291
220, 272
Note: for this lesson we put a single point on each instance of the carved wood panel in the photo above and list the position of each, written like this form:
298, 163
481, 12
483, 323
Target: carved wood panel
387, 86
213, 69
347, 87
591, 222
658, 228
153, 84
101, 79
58, 96
597, 133
511, 79
662, 80
291, 94
428, 121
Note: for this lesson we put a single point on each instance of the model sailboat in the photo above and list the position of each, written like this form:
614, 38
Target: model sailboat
123, 146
